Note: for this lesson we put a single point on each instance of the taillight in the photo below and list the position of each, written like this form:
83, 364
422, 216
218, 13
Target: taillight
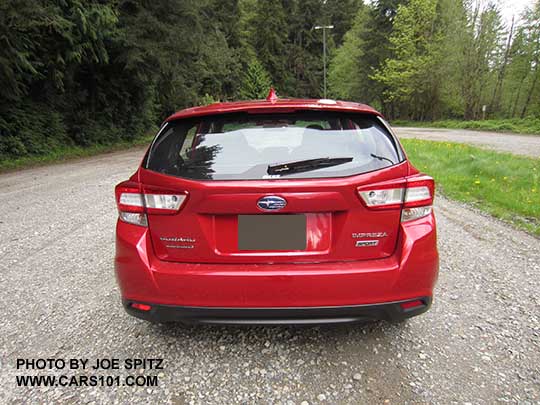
134, 203
408, 214
163, 204
135, 218
385, 198
414, 196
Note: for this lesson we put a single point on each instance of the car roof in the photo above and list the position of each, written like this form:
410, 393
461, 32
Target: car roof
274, 105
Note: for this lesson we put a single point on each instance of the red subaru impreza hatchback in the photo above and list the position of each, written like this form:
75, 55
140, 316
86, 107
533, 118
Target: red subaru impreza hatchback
276, 211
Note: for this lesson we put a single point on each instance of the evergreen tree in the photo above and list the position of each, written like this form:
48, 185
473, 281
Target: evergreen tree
305, 59
256, 82
341, 14
269, 36
346, 79
451, 25
377, 48
99, 71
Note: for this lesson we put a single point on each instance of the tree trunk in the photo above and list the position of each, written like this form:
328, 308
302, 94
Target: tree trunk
495, 99
531, 90
516, 100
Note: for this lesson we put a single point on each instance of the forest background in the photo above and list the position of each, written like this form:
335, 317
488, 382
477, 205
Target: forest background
77, 73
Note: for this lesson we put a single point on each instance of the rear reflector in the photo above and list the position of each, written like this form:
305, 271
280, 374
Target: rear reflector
141, 307
411, 304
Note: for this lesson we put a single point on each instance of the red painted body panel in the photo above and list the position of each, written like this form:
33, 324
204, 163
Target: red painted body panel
410, 272
281, 105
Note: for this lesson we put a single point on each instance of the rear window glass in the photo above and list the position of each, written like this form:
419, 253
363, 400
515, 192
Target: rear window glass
245, 146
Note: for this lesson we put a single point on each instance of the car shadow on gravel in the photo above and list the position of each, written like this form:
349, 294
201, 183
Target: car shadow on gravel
278, 333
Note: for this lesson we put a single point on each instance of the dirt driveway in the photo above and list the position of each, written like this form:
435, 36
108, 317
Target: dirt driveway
479, 344
527, 145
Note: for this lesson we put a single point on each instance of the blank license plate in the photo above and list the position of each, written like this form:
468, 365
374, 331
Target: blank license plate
272, 232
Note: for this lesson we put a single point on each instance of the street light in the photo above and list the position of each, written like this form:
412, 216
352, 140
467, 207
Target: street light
324, 28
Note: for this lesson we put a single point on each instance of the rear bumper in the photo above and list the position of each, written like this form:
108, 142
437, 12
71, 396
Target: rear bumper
392, 312
353, 290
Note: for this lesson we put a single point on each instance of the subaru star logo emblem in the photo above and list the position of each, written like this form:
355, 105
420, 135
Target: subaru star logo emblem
271, 202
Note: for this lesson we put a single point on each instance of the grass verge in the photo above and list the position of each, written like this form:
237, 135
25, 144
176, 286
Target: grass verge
69, 153
529, 126
501, 184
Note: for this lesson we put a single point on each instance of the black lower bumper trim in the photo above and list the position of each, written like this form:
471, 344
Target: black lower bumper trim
391, 311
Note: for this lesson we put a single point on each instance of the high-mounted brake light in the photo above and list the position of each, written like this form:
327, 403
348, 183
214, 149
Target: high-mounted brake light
133, 204
414, 196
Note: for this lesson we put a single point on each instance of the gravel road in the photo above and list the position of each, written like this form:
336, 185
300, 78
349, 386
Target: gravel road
480, 343
527, 145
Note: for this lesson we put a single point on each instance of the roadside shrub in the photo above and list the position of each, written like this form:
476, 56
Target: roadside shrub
30, 129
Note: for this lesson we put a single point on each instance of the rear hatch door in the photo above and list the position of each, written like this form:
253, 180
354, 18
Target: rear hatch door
252, 198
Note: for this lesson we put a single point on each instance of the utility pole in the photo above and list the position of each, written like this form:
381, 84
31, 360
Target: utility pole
324, 28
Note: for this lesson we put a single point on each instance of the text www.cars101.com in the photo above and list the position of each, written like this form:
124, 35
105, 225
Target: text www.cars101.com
86, 381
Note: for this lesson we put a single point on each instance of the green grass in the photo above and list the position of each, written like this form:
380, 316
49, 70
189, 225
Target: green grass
69, 153
501, 184
529, 126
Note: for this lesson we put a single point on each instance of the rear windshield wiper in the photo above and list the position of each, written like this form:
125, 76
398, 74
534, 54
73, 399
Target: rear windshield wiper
300, 166
381, 158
